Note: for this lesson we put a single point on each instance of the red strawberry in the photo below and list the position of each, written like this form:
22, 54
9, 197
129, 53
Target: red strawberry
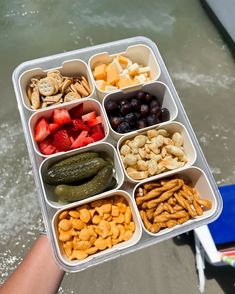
78, 125
77, 142
46, 146
97, 136
89, 116
61, 117
97, 128
61, 140
53, 127
77, 111
82, 142
42, 130
94, 121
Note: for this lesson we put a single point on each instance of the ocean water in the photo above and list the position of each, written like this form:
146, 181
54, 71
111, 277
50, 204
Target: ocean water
202, 70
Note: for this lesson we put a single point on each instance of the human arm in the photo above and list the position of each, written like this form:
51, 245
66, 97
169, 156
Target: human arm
38, 273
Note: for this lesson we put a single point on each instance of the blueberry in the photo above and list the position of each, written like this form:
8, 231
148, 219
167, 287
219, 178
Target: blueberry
111, 106
115, 121
135, 104
165, 114
124, 127
148, 98
144, 110
152, 119
125, 108
131, 118
141, 123
155, 110
155, 102
141, 96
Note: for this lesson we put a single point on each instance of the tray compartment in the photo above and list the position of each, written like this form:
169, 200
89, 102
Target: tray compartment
120, 246
102, 148
70, 68
170, 127
201, 183
88, 106
158, 89
139, 53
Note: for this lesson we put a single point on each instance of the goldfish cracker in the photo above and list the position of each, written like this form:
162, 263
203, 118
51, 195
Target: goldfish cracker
63, 214
91, 250
100, 243
85, 234
68, 247
81, 245
78, 254
65, 225
65, 236
115, 211
74, 213
77, 224
85, 215
100, 72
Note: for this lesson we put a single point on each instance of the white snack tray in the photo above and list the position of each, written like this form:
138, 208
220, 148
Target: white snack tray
48, 212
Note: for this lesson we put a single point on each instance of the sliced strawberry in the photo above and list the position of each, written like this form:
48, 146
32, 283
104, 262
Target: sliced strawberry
94, 121
71, 139
61, 140
46, 146
97, 136
77, 142
83, 141
77, 111
97, 128
78, 125
61, 117
42, 130
89, 116
53, 127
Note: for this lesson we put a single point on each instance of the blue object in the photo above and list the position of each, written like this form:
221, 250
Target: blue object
223, 229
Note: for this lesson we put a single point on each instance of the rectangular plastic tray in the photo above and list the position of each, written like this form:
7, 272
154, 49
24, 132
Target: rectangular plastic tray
48, 212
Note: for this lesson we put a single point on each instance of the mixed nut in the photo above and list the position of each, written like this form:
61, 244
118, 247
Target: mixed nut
150, 154
93, 227
55, 89
169, 202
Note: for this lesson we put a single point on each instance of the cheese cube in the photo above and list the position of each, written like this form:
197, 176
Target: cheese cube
144, 69
101, 84
133, 69
117, 65
122, 60
100, 72
112, 74
141, 78
124, 82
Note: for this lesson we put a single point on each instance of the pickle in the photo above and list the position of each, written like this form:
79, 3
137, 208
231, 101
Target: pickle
75, 172
76, 159
97, 185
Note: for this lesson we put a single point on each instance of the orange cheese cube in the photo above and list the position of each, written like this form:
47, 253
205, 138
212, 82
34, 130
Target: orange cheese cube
122, 60
100, 72
124, 82
103, 85
135, 81
112, 74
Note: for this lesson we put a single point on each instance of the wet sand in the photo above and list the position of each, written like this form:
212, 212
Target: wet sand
203, 72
